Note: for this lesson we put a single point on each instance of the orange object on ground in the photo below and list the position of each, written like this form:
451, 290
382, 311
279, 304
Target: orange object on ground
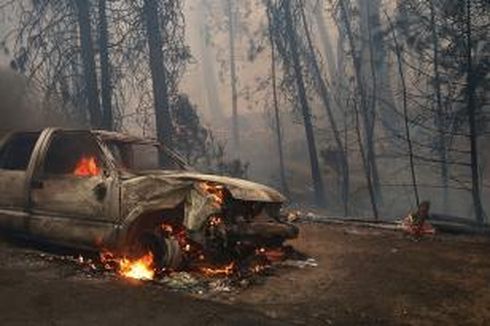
411, 226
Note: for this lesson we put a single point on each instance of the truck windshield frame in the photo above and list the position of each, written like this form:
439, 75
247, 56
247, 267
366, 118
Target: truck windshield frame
137, 157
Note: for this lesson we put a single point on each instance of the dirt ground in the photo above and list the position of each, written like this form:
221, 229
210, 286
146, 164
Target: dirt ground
364, 276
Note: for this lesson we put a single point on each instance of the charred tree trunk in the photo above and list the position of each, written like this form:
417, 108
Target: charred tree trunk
303, 102
440, 115
158, 73
369, 154
105, 76
367, 170
405, 113
325, 97
230, 12
470, 89
371, 101
280, 153
382, 101
373, 71
88, 62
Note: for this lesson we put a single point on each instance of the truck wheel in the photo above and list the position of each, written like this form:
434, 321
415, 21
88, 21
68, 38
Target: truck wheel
173, 258
166, 250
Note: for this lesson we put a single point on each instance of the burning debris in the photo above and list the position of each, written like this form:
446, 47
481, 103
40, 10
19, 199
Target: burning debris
219, 271
231, 265
145, 268
203, 280
199, 274
141, 269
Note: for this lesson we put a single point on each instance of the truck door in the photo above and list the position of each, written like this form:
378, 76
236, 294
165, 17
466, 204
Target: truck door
15, 155
72, 195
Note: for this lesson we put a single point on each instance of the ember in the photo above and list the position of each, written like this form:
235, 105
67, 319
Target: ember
272, 254
87, 167
219, 271
258, 268
215, 221
217, 192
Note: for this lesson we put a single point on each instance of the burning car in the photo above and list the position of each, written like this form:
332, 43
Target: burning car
131, 197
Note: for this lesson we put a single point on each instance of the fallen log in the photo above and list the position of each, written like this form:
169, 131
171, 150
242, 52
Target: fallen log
441, 222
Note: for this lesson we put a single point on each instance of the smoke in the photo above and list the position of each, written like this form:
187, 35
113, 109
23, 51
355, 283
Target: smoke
24, 107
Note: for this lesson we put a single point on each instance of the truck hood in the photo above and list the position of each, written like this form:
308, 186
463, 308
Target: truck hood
239, 188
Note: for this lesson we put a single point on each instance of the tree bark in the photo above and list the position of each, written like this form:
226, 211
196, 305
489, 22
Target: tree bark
158, 73
440, 116
383, 103
367, 154
367, 170
320, 199
470, 88
370, 103
88, 62
277, 119
405, 113
325, 97
105, 76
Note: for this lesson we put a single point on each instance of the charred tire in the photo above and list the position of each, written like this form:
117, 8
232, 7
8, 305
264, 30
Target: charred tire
166, 250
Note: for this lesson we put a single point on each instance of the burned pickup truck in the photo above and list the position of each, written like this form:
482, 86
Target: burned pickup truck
104, 190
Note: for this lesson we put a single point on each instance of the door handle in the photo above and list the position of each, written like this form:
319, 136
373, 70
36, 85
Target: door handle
37, 184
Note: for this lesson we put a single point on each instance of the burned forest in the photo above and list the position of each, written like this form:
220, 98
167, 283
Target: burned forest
244, 162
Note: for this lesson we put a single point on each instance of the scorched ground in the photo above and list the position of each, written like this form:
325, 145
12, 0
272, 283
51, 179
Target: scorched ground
364, 276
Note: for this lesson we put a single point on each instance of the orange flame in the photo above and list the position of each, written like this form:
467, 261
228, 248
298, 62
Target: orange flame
219, 271
141, 269
87, 167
